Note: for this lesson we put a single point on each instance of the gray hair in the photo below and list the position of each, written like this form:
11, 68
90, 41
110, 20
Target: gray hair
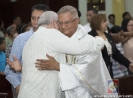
9, 29
72, 10
47, 17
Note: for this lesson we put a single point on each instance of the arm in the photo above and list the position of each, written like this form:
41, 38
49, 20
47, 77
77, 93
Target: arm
127, 36
12, 76
61, 43
65, 72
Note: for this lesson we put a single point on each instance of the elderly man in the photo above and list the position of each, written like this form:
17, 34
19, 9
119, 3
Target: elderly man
84, 75
15, 77
45, 84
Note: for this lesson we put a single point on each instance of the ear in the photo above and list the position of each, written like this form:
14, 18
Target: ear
77, 21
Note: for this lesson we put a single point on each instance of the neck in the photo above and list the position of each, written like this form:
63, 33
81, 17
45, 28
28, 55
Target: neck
101, 34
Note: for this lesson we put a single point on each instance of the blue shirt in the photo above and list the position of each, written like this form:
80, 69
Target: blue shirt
2, 61
17, 48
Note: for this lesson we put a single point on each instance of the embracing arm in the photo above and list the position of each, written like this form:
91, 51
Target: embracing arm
12, 76
127, 36
63, 44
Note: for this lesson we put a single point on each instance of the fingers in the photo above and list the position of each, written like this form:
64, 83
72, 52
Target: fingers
48, 56
14, 57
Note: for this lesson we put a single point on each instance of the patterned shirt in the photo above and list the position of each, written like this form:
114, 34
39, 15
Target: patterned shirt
8, 50
15, 77
118, 69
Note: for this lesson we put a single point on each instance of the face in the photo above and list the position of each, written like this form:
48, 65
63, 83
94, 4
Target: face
112, 20
35, 15
104, 26
17, 21
3, 46
89, 14
13, 31
130, 26
67, 24
28, 28
128, 16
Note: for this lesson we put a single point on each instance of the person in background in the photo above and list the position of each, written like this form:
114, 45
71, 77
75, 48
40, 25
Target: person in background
23, 28
16, 21
2, 29
2, 55
111, 18
17, 48
9, 47
9, 35
127, 26
118, 69
99, 26
126, 15
90, 13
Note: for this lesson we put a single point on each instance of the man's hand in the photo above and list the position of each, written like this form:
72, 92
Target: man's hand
50, 64
131, 67
15, 65
17, 89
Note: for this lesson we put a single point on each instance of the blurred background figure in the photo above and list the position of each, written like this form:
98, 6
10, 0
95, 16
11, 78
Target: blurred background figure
20, 29
2, 29
2, 55
9, 35
16, 21
90, 13
126, 15
127, 26
118, 69
111, 19
23, 28
99, 26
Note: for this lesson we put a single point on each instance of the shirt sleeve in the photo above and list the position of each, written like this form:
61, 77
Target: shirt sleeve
12, 76
61, 43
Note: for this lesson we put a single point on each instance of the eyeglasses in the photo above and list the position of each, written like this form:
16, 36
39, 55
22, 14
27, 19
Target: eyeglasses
67, 23
130, 25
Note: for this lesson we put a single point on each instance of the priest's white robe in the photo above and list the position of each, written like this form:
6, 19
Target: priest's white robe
84, 71
45, 84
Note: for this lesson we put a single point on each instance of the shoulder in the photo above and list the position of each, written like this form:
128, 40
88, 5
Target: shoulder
86, 25
93, 33
24, 36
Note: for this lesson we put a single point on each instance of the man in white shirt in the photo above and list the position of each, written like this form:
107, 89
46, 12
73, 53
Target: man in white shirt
84, 76
90, 13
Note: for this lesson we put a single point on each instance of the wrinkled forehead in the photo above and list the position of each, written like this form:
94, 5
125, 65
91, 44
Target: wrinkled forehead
65, 16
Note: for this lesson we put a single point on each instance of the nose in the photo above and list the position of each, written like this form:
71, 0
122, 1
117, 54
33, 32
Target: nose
63, 25
36, 21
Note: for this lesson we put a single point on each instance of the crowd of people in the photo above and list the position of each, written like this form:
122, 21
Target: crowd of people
54, 56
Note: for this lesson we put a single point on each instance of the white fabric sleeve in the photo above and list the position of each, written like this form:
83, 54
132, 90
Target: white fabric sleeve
57, 41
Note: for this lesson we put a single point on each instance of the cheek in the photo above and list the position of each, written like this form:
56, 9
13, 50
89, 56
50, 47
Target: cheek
129, 28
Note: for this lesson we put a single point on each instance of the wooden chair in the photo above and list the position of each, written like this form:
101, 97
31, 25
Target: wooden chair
126, 86
5, 88
3, 95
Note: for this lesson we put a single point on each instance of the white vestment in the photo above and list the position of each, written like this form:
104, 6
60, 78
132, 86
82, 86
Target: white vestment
87, 27
45, 84
84, 71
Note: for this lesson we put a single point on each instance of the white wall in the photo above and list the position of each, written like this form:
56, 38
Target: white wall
83, 9
108, 8
129, 6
